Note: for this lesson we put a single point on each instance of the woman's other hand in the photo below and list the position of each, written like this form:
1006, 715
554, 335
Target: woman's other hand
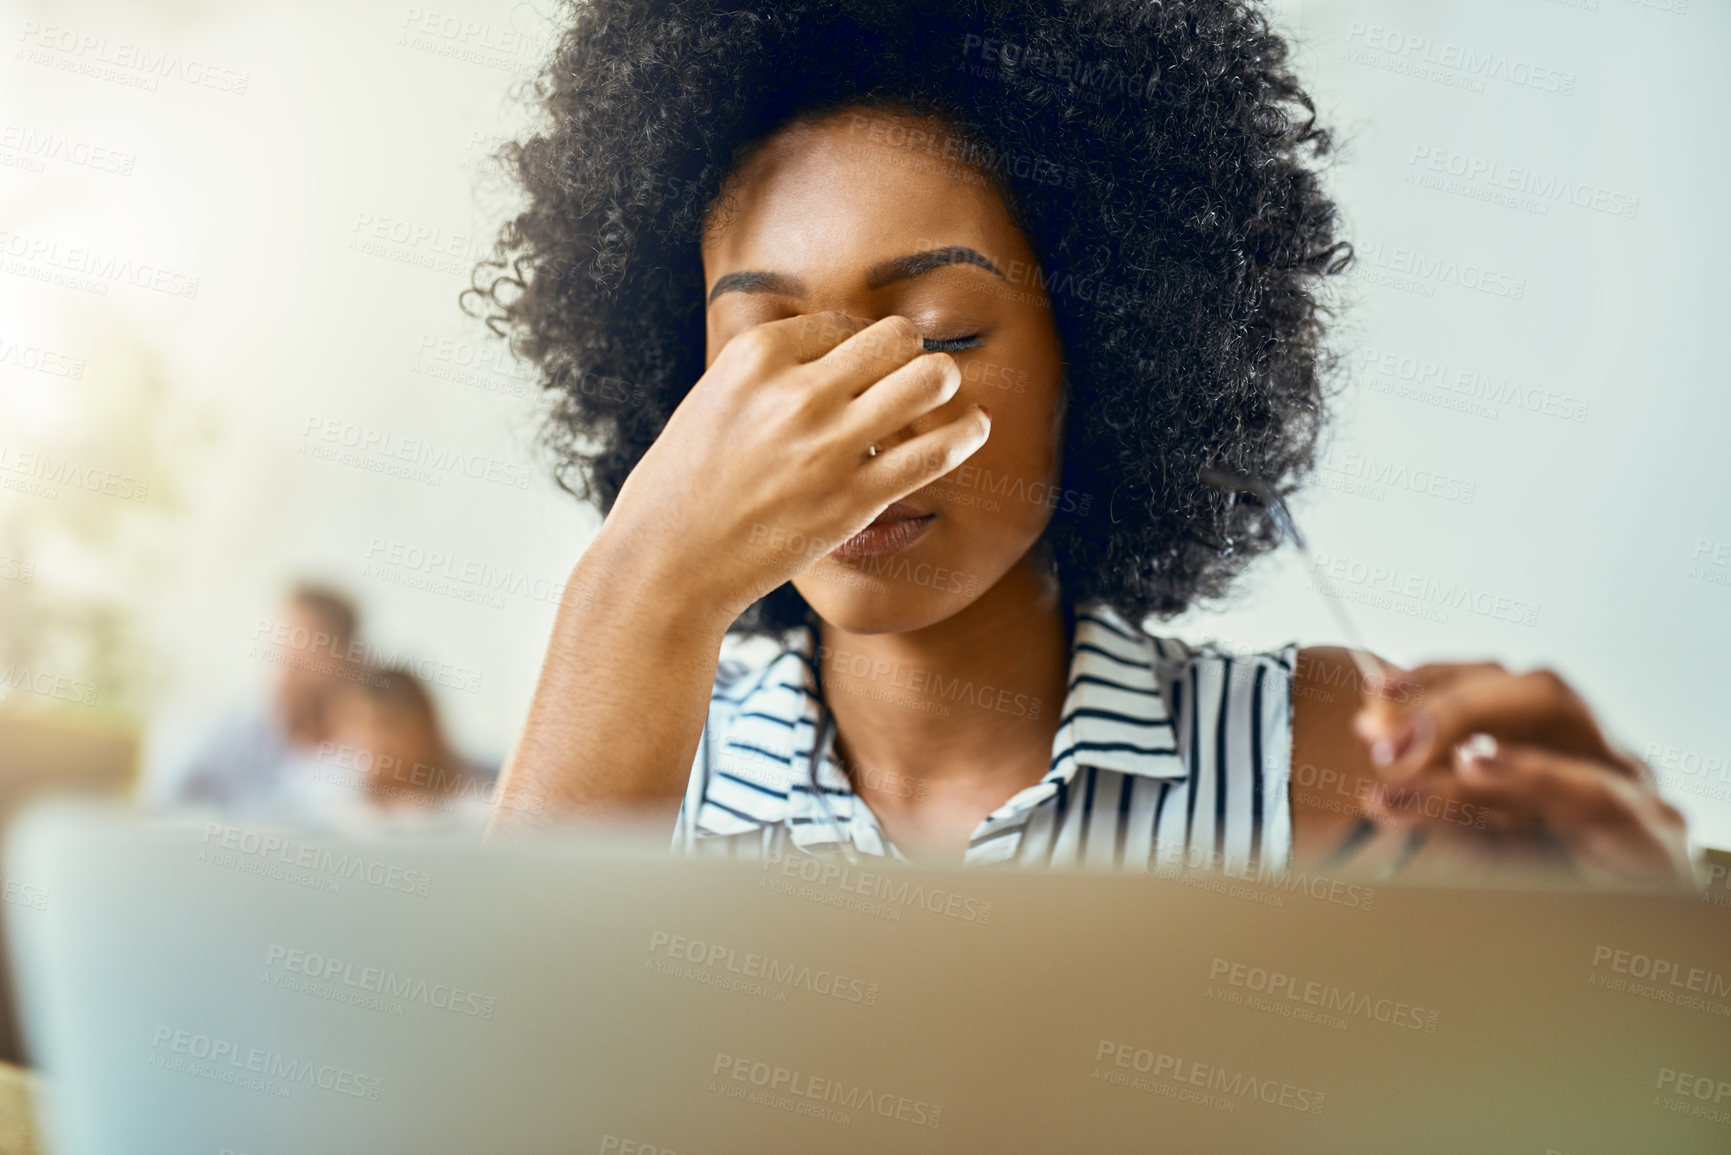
1526, 750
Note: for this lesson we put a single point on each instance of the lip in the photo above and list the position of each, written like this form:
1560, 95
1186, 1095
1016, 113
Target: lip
891, 531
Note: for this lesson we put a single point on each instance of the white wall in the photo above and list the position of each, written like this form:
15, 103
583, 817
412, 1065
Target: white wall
1596, 522
349, 120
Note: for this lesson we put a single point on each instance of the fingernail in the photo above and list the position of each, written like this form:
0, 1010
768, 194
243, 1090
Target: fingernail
1393, 741
1480, 745
1477, 755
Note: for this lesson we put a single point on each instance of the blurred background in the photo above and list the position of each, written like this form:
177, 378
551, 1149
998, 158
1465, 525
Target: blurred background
232, 238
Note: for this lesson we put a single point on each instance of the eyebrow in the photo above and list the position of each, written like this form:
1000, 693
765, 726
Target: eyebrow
757, 283
879, 275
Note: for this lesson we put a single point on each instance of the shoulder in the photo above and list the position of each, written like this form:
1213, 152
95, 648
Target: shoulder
1326, 690
1331, 769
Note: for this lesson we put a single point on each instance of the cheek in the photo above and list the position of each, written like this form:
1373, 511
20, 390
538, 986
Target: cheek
1023, 391
1023, 444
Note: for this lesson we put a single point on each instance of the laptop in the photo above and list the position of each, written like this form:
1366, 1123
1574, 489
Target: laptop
211, 988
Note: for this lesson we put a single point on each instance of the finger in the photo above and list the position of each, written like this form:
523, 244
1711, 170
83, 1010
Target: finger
1430, 810
1536, 707
857, 362
1387, 713
1439, 796
1385, 709
911, 391
792, 340
924, 458
1384, 720
1437, 800
1563, 789
816, 335
1607, 822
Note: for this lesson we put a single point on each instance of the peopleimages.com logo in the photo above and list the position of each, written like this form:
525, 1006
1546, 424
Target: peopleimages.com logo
278, 855
379, 981
258, 1068
754, 965
1144, 1069
800, 1092
884, 887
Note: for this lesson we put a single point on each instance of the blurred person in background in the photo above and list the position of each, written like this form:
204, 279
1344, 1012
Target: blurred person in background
248, 758
385, 765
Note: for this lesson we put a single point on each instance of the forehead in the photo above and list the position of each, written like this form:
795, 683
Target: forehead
853, 187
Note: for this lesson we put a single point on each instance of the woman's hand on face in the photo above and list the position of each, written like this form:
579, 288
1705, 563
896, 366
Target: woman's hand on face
1526, 749
764, 467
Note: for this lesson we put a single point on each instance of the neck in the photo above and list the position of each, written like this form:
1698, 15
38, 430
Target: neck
937, 727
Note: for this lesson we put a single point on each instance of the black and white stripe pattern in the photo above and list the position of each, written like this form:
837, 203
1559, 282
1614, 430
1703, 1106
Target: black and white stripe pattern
1166, 756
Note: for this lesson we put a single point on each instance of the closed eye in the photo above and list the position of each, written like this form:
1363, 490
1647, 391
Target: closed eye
953, 344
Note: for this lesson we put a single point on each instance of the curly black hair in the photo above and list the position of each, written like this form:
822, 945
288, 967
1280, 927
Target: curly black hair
1161, 157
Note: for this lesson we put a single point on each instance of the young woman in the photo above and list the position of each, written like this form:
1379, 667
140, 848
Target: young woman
901, 333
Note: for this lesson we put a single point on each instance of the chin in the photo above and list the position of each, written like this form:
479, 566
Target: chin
859, 602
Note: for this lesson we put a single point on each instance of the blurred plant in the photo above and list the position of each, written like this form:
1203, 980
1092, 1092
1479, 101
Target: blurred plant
94, 474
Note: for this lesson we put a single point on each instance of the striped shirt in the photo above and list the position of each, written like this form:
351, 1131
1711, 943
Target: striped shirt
1166, 757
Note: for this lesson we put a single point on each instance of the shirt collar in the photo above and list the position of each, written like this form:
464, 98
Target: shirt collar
1115, 716
1116, 707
